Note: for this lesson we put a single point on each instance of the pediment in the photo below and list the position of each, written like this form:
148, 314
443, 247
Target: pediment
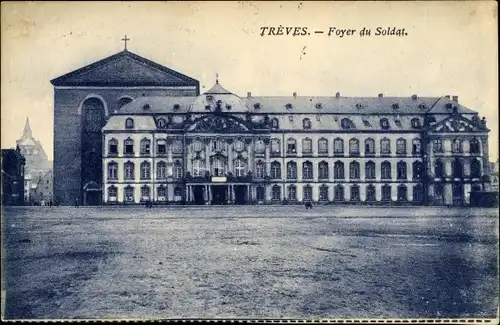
218, 124
124, 69
457, 124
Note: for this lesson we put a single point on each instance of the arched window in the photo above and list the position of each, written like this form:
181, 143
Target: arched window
112, 171
275, 170
475, 146
402, 193
437, 145
129, 170
323, 170
338, 146
385, 146
145, 193
129, 194
145, 146
401, 146
306, 123
401, 168
417, 193
93, 115
355, 193
475, 168
292, 193
385, 170
354, 170
275, 146
259, 169
338, 170
276, 193
307, 170
198, 168
177, 170
322, 146
306, 146
198, 145
218, 145
112, 193
416, 146
275, 124
338, 194
161, 123
386, 192
384, 123
458, 169
145, 170
128, 146
369, 146
291, 170
417, 169
307, 193
239, 168
260, 146
323, 193
161, 170
371, 193
161, 192
438, 168
123, 101
370, 170
354, 146
457, 146
291, 145
113, 147
129, 123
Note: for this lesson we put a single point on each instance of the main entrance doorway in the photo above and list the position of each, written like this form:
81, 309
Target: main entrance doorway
199, 194
219, 194
92, 194
240, 194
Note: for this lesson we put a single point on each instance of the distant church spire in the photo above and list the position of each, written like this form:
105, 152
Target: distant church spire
27, 129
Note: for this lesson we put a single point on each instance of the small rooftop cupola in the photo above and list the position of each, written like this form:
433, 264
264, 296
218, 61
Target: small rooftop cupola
217, 89
27, 130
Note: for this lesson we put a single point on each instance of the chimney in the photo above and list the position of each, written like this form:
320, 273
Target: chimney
380, 95
249, 95
414, 97
337, 95
455, 98
294, 95
447, 96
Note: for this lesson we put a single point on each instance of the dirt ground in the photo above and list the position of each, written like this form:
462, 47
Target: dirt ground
249, 262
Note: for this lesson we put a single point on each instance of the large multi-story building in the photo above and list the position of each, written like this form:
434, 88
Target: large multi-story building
12, 177
150, 135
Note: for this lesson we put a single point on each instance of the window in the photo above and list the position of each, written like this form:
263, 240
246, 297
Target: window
416, 146
292, 193
178, 191
371, 193
112, 171
259, 169
338, 146
385, 170
369, 147
112, 193
323, 193
129, 123
475, 147
129, 146
354, 170
275, 124
239, 146
161, 123
439, 193
307, 195
145, 146
338, 194
323, 170
458, 169
276, 193
113, 147
218, 145
261, 193
323, 146
415, 123
345, 123
177, 170
338, 170
177, 146
129, 194
306, 146
354, 147
161, 147
197, 146
275, 146
291, 145
275, 170
355, 193
384, 123
438, 168
385, 146
306, 124
161, 170
386, 193
260, 146
457, 146
145, 193
401, 146
417, 193
129, 170
198, 168
161, 191
401, 167
417, 170
307, 170
370, 170
475, 168
291, 170
239, 168
437, 145
402, 193
145, 170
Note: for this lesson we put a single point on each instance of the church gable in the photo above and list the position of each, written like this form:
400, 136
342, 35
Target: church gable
456, 124
124, 69
218, 124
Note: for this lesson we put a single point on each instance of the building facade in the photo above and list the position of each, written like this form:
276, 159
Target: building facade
170, 144
12, 177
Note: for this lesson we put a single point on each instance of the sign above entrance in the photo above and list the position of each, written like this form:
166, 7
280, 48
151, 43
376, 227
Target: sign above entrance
219, 179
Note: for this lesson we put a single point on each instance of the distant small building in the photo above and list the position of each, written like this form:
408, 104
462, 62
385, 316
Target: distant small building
12, 177
42, 190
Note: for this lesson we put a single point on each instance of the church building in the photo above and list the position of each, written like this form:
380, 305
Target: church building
128, 130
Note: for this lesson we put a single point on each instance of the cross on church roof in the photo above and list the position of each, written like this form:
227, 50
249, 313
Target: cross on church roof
125, 39
217, 78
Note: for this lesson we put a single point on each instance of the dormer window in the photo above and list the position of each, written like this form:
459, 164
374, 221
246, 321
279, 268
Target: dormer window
129, 123
290, 118
319, 106
256, 106
422, 106
288, 106
306, 124
275, 123
448, 106
209, 98
162, 123
359, 106
207, 107
146, 107
415, 123
345, 123
177, 107
228, 107
384, 123
395, 106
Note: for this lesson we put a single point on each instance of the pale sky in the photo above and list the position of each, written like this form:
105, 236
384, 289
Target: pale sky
450, 49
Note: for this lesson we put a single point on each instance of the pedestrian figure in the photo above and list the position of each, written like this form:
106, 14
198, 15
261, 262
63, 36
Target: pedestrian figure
50, 203
77, 203
308, 205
